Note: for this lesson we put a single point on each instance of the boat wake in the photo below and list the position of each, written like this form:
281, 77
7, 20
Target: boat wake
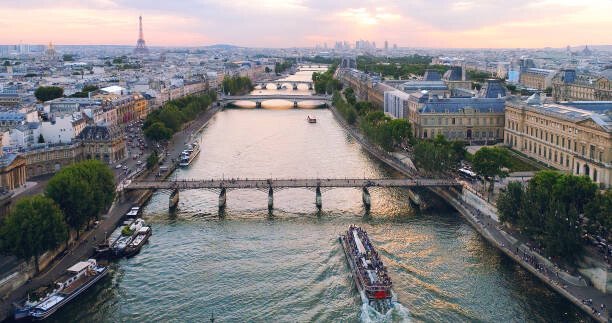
397, 313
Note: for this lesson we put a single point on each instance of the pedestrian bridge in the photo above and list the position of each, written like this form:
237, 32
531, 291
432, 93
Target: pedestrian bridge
271, 185
258, 99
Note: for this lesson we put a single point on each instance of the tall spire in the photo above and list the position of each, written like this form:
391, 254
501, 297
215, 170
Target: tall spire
141, 47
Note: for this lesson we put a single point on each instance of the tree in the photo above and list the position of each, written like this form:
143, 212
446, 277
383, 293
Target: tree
74, 197
489, 163
82, 191
46, 93
599, 214
508, 201
35, 226
152, 160
268, 70
41, 139
6, 63
67, 58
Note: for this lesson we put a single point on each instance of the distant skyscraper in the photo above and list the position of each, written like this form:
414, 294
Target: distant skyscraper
141, 47
386, 45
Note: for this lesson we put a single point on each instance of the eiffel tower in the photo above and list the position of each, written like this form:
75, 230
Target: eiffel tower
141, 47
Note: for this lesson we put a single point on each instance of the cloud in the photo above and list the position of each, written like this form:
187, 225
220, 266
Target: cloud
288, 23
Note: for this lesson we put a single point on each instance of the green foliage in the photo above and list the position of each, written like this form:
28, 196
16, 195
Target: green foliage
281, 67
237, 85
158, 131
67, 57
507, 203
349, 94
34, 226
438, 154
85, 91
163, 123
386, 132
41, 139
599, 213
152, 160
489, 162
82, 191
6, 63
126, 231
477, 76
46, 93
268, 70
325, 82
398, 67
323, 60
548, 208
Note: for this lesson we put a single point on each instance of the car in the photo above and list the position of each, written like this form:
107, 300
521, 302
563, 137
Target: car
125, 168
139, 162
118, 166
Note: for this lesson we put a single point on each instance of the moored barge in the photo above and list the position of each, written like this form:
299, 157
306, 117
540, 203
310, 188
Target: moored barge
369, 272
77, 279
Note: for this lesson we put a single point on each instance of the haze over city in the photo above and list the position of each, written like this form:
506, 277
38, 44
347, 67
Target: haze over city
306, 23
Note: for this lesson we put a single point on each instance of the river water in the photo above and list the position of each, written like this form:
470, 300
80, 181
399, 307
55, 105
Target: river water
249, 265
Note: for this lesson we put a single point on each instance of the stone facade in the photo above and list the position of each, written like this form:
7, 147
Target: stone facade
12, 172
48, 159
535, 78
567, 86
103, 143
563, 136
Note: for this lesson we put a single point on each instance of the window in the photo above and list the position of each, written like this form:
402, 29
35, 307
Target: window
453, 121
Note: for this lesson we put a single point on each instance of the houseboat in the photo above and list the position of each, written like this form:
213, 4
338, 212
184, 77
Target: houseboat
141, 237
77, 279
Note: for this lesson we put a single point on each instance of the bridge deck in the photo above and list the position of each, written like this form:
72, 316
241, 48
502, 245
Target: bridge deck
297, 97
289, 183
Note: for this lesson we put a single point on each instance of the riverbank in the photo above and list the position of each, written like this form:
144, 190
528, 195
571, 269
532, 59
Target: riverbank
84, 248
491, 230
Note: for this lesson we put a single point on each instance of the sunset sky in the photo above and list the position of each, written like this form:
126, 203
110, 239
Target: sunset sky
288, 23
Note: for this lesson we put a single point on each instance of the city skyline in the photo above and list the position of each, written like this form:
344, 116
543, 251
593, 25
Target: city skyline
304, 23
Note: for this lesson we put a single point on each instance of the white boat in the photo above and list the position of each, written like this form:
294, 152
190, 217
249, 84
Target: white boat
189, 154
77, 279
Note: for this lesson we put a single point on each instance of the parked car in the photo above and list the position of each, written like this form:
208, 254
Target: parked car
118, 166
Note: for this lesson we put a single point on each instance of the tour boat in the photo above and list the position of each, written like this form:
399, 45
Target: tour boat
141, 237
311, 119
106, 249
369, 272
77, 279
189, 154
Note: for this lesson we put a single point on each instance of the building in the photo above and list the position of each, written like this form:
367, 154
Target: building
62, 129
43, 159
396, 104
575, 137
105, 143
473, 119
9, 99
10, 120
568, 86
12, 171
536, 78
455, 78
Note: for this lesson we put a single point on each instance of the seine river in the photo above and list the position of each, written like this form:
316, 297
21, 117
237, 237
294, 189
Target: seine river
287, 266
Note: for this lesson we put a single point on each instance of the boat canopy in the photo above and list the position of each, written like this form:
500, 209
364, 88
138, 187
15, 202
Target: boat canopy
79, 266
358, 243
